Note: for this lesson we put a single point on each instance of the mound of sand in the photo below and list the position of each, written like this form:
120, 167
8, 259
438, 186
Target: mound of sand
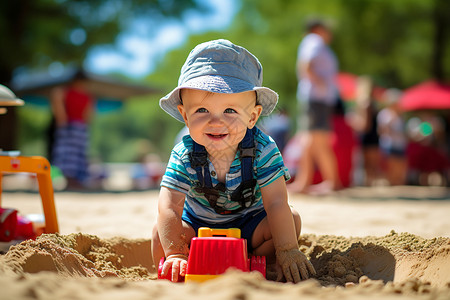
86, 267
82, 255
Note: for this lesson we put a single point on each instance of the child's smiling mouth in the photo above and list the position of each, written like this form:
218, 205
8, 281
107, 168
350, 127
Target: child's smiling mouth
216, 136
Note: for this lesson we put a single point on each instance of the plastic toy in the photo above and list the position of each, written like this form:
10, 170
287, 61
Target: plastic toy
13, 162
213, 252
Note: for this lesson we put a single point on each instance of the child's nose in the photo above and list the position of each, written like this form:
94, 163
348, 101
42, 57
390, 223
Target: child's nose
215, 119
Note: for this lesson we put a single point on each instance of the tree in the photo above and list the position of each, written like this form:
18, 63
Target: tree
36, 33
399, 43
393, 41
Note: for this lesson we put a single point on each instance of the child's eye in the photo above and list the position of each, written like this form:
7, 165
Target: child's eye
229, 111
202, 110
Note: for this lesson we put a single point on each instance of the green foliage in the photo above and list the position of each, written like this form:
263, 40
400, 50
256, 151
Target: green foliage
140, 127
37, 33
396, 42
32, 131
390, 40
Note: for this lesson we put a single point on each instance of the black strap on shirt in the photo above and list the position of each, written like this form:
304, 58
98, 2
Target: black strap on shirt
245, 193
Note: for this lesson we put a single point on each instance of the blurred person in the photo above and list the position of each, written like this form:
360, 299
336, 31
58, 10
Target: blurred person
428, 162
393, 141
147, 171
364, 122
277, 125
317, 94
72, 107
343, 142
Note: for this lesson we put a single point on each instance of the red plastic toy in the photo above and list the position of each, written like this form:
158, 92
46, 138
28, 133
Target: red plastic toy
16, 228
213, 252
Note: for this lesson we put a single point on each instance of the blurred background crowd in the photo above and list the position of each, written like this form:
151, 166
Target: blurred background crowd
391, 125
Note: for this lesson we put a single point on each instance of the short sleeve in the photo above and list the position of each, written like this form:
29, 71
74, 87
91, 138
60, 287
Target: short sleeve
310, 48
269, 162
176, 176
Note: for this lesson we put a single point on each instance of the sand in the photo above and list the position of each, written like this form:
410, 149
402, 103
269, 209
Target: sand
365, 243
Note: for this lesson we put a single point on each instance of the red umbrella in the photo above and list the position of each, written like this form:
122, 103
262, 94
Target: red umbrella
427, 95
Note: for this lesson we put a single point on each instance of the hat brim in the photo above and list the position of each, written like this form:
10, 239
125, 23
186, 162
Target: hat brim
266, 97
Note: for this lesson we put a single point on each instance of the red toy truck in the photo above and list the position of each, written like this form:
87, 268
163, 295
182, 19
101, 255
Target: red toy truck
213, 252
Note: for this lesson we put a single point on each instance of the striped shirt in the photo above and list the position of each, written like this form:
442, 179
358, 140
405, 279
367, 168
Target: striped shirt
268, 166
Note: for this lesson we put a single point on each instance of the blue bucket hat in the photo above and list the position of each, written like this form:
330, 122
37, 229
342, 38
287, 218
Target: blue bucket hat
219, 66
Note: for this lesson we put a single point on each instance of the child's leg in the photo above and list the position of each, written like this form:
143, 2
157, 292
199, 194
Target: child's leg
262, 242
157, 249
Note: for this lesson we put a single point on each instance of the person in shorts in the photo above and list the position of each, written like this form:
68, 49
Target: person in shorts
317, 94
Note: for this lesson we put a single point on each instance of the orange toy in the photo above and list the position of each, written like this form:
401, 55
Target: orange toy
12, 162
41, 167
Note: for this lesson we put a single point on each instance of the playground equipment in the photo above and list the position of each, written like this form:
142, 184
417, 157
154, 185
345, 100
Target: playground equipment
213, 252
13, 162
41, 167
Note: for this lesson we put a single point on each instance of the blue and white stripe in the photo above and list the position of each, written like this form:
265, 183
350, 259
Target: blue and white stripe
268, 166
70, 150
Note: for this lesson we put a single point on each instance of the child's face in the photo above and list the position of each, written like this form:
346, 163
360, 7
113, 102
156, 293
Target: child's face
218, 121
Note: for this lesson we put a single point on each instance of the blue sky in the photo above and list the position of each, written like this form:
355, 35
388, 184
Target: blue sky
138, 49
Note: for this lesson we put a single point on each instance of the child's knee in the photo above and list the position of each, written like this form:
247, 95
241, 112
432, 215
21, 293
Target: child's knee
297, 222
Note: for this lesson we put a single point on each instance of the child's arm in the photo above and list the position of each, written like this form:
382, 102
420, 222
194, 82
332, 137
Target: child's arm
293, 262
170, 230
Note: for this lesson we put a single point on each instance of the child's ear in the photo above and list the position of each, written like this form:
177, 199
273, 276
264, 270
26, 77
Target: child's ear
254, 116
183, 113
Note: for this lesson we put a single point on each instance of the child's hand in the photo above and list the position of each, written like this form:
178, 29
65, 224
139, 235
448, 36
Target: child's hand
294, 265
177, 263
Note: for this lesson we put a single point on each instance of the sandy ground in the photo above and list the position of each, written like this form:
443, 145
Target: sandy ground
386, 242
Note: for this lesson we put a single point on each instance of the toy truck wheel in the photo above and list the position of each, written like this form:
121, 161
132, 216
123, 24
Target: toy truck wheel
258, 263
